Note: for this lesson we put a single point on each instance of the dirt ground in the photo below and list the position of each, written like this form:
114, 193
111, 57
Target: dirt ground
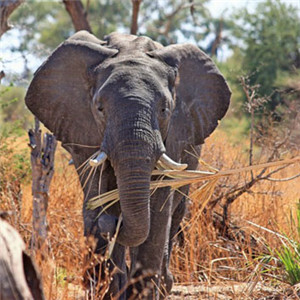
226, 291
241, 291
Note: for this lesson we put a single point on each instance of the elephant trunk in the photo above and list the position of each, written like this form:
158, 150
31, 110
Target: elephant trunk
133, 179
133, 147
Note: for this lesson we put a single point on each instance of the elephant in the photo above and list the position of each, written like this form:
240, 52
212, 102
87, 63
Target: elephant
140, 105
19, 279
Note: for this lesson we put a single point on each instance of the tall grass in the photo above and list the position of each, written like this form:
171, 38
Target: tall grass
208, 255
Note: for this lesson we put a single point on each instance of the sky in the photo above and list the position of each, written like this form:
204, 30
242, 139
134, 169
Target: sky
13, 62
217, 7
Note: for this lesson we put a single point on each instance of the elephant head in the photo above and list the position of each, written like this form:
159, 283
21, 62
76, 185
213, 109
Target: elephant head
137, 101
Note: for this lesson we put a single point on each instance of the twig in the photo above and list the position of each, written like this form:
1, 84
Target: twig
283, 179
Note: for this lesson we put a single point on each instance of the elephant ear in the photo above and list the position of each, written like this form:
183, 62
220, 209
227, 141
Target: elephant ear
202, 96
60, 92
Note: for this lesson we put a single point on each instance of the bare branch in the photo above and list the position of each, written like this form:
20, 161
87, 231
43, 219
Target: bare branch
167, 22
254, 102
283, 179
6, 9
135, 13
78, 15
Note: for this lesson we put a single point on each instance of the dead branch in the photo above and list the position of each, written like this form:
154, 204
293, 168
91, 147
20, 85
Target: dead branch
42, 163
283, 179
135, 13
171, 16
6, 9
167, 21
78, 14
254, 102
192, 11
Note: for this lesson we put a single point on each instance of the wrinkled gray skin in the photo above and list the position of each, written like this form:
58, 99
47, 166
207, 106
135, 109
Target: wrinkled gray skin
19, 279
135, 100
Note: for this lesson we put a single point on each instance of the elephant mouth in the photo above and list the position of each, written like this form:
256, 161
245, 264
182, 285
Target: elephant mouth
134, 192
164, 162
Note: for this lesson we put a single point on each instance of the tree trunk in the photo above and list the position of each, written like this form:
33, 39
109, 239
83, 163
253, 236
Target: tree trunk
42, 163
78, 15
135, 13
6, 9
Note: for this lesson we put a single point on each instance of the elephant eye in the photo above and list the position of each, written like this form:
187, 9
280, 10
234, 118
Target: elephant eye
100, 106
165, 112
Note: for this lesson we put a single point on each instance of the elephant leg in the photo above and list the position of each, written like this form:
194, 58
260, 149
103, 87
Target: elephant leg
100, 272
177, 216
178, 212
148, 257
119, 270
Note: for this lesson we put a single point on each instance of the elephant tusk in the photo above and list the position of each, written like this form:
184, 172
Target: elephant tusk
166, 162
99, 160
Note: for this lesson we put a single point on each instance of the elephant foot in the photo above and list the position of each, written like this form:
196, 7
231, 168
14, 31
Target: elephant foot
166, 284
104, 282
105, 279
143, 285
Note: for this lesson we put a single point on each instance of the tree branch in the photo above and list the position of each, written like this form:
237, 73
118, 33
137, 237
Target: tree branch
78, 15
6, 9
135, 13
218, 39
283, 179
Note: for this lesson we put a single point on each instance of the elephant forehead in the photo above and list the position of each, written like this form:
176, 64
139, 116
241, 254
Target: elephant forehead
132, 75
136, 63
126, 84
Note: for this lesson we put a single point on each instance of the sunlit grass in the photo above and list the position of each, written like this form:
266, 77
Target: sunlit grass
205, 255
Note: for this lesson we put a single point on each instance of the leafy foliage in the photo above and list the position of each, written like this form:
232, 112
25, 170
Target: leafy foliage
174, 19
14, 117
272, 39
44, 25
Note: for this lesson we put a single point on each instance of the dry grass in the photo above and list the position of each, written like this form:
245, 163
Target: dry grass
206, 256
209, 256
